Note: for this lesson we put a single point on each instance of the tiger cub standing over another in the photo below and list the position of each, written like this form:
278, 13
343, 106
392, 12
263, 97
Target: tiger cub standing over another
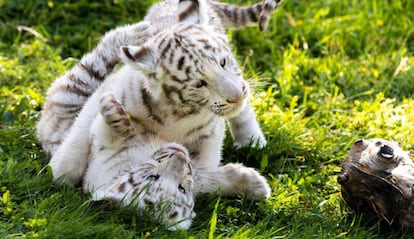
177, 86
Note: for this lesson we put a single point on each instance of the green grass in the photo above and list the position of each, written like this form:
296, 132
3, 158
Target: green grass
325, 73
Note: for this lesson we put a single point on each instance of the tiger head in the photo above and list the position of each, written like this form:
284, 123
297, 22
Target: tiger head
191, 68
161, 185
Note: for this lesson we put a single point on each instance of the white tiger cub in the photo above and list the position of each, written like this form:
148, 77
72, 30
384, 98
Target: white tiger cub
124, 167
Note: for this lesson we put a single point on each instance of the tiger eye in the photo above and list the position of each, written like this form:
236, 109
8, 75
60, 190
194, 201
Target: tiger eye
153, 177
181, 188
223, 62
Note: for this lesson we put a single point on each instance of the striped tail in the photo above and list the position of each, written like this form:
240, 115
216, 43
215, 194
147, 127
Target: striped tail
235, 16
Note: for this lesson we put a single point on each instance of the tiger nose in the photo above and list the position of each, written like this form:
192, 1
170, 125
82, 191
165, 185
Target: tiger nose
235, 100
238, 96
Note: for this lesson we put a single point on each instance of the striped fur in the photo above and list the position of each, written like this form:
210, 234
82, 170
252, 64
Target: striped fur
235, 17
214, 13
69, 92
180, 83
155, 177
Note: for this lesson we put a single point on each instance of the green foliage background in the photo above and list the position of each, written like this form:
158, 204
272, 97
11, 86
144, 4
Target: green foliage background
324, 74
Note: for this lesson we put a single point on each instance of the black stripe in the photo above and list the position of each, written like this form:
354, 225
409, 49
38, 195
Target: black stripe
252, 15
169, 90
120, 151
91, 72
200, 127
190, 10
148, 132
146, 99
65, 105
183, 113
165, 49
171, 59
227, 12
108, 63
115, 121
181, 63
176, 79
69, 109
243, 16
72, 89
76, 80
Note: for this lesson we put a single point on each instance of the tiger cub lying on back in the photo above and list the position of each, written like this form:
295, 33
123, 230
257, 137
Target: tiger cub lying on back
178, 88
142, 170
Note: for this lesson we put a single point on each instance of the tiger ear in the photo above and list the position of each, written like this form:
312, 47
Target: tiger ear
140, 57
193, 11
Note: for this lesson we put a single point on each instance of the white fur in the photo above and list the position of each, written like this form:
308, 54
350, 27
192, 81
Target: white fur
90, 142
70, 161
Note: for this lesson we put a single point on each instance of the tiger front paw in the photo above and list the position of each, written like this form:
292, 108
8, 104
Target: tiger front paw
114, 114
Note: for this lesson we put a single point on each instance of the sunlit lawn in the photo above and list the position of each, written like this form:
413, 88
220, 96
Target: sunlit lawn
324, 74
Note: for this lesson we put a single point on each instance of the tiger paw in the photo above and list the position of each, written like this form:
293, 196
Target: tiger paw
114, 114
256, 186
246, 181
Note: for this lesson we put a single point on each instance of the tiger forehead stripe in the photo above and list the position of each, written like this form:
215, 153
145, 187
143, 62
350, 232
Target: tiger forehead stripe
207, 45
174, 77
171, 58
